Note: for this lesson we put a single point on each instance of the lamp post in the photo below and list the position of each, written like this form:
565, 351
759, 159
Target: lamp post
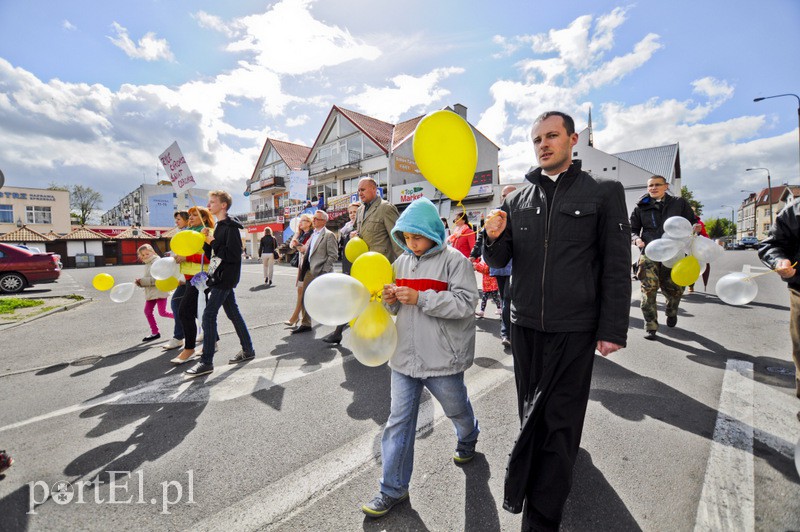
798, 111
769, 192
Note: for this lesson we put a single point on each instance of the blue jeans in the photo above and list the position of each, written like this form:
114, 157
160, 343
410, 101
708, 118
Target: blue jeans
397, 445
222, 297
175, 305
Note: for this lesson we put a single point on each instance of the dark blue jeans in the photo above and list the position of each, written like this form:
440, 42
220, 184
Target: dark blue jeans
175, 304
225, 298
505, 295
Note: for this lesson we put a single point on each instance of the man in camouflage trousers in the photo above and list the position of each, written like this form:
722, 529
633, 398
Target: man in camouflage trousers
647, 224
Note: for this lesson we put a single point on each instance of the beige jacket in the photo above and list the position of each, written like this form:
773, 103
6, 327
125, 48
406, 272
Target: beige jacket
375, 227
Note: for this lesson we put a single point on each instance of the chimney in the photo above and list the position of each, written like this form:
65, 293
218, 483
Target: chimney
460, 110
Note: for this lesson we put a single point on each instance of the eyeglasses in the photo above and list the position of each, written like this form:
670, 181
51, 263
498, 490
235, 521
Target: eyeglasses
657, 185
320, 219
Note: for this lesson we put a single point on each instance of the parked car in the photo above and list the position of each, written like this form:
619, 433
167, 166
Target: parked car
21, 268
748, 242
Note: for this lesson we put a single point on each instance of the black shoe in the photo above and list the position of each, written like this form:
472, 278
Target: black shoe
505, 341
650, 335
672, 321
333, 338
242, 356
198, 370
301, 329
151, 337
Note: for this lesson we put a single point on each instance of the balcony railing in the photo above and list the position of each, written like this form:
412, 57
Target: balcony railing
266, 215
268, 182
339, 160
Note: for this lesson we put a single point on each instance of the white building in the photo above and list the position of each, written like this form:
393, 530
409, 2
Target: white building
153, 205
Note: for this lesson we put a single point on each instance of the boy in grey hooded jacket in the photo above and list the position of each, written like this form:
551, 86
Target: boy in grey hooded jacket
434, 297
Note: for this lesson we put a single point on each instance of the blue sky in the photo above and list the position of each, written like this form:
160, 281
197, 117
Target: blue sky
91, 92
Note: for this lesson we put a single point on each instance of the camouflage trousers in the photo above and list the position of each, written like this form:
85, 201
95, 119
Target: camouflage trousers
654, 275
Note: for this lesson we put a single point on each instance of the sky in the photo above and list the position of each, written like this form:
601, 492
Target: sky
91, 92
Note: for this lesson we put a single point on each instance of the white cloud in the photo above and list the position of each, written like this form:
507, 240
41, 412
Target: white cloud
713, 88
287, 39
149, 48
297, 120
408, 93
215, 23
67, 25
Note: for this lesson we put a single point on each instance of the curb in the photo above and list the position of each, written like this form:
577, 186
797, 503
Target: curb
68, 306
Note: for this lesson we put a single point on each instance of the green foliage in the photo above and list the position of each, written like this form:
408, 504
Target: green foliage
9, 304
688, 195
719, 227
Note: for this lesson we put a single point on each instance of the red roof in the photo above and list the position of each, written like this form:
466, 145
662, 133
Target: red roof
404, 129
378, 130
292, 154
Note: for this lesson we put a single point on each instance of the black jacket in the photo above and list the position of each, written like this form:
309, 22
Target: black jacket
227, 245
647, 219
267, 245
783, 241
572, 264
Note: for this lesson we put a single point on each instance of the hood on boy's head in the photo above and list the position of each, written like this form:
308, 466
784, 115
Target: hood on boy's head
419, 218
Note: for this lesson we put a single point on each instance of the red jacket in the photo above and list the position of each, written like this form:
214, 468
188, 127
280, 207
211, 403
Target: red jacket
489, 282
463, 240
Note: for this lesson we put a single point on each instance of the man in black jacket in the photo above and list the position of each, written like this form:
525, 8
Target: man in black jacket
781, 251
223, 246
647, 224
568, 232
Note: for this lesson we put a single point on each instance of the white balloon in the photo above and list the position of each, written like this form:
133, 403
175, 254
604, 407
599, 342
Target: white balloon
335, 298
669, 263
164, 268
370, 349
706, 250
121, 292
737, 288
678, 227
662, 249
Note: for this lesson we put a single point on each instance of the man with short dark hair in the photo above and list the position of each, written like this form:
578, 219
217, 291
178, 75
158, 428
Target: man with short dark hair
224, 247
647, 224
569, 237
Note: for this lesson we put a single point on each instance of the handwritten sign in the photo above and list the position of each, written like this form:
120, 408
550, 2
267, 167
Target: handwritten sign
298, 185
178, 171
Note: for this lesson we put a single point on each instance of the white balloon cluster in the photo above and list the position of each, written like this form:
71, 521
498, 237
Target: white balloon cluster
682, 250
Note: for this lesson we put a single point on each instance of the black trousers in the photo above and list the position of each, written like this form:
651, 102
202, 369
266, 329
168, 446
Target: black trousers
553, 373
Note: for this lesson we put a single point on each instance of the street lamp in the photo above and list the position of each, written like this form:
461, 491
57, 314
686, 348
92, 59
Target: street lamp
733, 217
769, 192
798, 111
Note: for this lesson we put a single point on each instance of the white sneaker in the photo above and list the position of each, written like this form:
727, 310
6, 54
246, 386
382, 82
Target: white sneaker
479, 314
173, 343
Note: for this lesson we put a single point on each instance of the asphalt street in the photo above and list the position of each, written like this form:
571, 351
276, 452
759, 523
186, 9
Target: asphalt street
696, 431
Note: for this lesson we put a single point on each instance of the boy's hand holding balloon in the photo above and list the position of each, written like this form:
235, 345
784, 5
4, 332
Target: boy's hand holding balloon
495, 224
388, 296
406, 295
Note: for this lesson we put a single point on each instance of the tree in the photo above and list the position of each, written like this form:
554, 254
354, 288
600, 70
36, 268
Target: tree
689, 196
82, 201
720, 227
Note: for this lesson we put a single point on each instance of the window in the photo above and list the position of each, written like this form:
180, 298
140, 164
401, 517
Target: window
613, 167
350, 186
574, 154
38, 215
6, 214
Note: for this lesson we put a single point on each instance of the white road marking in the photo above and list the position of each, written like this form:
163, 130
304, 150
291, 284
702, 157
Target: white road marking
727, 502
286, 496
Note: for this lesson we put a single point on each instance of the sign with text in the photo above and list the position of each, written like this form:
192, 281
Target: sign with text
178, 171
298, 185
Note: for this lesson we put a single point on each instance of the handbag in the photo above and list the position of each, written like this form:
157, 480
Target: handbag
275, 254
295, 260
213, 266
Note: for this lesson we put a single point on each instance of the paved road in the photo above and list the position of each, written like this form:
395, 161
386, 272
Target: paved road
695, 431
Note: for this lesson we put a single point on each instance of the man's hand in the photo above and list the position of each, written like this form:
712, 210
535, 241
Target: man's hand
209, 235
388, 296
606, 348
406, 295
784, 268
639, 243
495, 224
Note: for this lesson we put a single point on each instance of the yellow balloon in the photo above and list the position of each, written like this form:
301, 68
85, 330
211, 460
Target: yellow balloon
186, 243
686, 271
167, 285
355, 248
372, 322
372, 269
446, 153
103, 282
373, 338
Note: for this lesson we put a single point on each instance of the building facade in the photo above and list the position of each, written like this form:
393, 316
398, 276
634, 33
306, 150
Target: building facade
42, 210
153, 205
754, 211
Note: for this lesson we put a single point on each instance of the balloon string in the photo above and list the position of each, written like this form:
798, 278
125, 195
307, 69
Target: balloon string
766, 273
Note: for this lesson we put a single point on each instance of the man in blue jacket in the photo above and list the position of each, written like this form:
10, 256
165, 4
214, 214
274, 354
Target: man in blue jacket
568, 233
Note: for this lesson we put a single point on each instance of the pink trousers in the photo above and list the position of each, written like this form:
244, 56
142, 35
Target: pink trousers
149, 305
